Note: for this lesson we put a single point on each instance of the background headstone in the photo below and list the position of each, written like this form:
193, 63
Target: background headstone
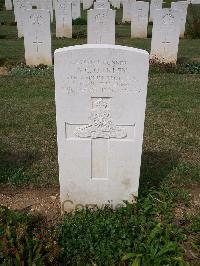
87, 4
43, 4
155, 4
165, 36
126, 16
101, 26
8, 4
102, 4
139, 19
37, 37
100, 109
63, 12
115, 3
19, 8
181, 6
76, 9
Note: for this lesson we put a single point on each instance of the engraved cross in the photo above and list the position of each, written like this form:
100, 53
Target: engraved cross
37, 42
100, 130
165, 43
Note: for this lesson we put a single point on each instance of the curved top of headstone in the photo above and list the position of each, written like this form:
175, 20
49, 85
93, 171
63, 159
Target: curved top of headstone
102, 46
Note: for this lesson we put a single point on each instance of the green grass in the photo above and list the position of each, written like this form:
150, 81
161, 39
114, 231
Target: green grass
147, 233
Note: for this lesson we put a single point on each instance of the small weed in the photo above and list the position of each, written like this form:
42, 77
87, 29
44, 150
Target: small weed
25, 240
79, 33
31, 71
180, 68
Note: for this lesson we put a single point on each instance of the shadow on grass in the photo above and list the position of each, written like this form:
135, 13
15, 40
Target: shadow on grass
155, 169
13, 165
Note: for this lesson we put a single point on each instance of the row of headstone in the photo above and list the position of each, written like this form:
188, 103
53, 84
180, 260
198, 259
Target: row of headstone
65, 11
101, 27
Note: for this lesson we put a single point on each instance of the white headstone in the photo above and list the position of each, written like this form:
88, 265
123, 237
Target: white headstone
63, 13
139, 19
165, 36
194, 2
115, 3
43, 4
8, 4
155, 4
53, 3
19, 8
76, 9
102, 4
87, 4
181, 6
47, 4
101, 26
126, 16
100, 109
37, 37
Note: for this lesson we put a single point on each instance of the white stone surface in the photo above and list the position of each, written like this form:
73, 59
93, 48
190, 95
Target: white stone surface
126, 16
102, 4
53, 3
87, 4
115, 3
37, 37
43, 4
194, 2
8, 4
101, 26
155, 4
139, 19
76, 9
47, 4
100, 109
63, 13
182, 7
165, 36
19, 8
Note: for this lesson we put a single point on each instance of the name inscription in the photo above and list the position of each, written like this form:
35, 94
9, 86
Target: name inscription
100, 76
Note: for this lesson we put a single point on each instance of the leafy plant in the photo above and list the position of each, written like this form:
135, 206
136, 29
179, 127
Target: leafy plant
140, 234
23, 70
25, 241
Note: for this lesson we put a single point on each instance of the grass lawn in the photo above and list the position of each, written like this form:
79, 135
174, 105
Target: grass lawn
163, 227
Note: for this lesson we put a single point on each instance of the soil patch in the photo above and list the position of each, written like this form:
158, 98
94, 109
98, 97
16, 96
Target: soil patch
33, 200
3, 71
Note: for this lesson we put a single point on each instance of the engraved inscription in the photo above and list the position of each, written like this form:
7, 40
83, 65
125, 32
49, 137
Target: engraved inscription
99, 76
36, 19
168, 19
100, 123
100, 18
